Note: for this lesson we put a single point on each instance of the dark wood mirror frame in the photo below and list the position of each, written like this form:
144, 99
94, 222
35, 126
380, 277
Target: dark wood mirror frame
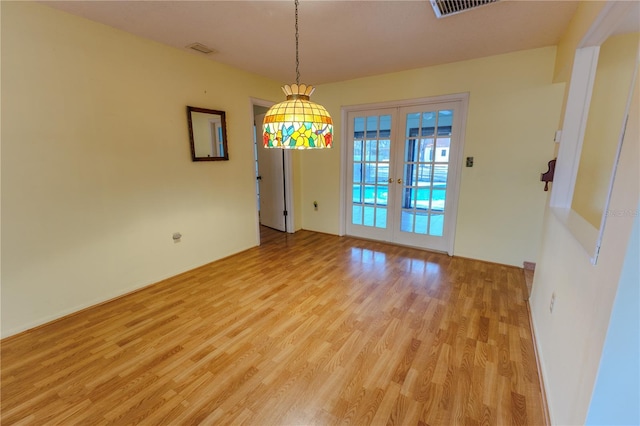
207, 134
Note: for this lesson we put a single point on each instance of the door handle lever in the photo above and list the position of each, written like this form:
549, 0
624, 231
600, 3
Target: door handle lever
259, 178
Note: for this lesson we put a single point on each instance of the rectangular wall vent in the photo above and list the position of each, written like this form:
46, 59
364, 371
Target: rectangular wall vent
199, 47
444, 8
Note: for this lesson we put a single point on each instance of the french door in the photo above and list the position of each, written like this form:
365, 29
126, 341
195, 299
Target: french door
402, 173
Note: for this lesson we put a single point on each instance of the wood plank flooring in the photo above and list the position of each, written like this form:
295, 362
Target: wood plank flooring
307, 329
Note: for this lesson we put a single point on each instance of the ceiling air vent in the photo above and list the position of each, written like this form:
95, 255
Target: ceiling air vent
444, 8
199, 47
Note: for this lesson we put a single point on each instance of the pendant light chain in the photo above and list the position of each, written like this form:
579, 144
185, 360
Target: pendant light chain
297, 58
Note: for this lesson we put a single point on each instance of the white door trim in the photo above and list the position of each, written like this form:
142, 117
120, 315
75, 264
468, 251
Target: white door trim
463, 98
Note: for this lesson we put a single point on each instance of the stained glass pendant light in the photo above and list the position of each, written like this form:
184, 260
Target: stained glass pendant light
297, 123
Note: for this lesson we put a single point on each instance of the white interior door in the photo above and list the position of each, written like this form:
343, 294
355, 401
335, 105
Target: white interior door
403, 166
271, 182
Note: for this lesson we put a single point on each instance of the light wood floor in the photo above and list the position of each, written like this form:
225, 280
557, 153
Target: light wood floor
305, 329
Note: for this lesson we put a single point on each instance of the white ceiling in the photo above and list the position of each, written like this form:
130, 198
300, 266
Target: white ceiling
339, 40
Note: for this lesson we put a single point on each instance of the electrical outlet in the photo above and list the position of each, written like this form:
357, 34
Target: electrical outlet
553, 302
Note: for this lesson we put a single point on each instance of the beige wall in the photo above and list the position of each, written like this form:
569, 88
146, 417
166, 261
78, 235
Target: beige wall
514, 110
96, 168
570, 340
585, 14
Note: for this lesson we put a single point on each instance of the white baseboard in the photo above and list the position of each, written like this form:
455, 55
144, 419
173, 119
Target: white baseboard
539, 364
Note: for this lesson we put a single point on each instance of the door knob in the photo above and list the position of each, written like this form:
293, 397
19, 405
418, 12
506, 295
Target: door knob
390, 180
399, 180
259, 178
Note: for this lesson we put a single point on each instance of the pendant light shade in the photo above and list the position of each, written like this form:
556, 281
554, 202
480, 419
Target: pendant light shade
297, 123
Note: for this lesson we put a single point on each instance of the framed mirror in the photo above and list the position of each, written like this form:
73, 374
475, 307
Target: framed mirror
604, 73
207, 134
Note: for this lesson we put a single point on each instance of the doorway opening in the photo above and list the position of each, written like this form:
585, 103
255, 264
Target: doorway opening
273, 174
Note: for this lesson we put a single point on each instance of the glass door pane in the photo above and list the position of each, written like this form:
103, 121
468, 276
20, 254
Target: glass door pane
426, 154
369, 172
424, 161
371, 155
